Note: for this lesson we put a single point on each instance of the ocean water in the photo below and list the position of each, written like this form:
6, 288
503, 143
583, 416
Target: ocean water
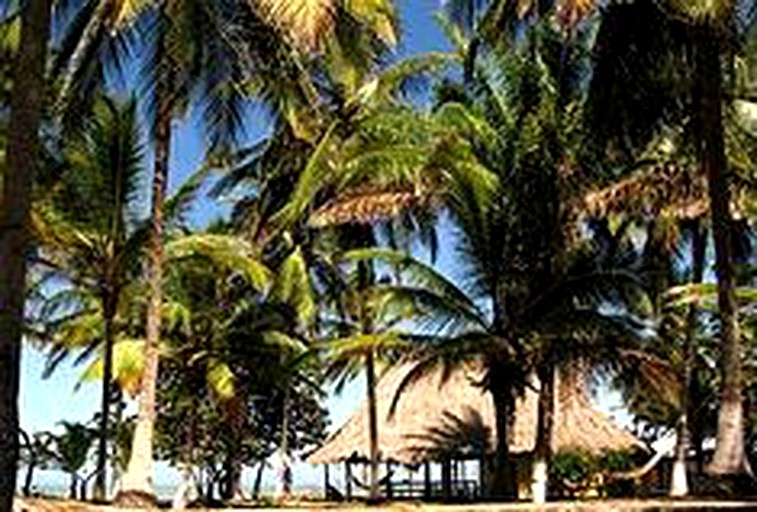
52, 482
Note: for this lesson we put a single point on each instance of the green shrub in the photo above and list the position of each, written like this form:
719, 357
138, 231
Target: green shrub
573, 466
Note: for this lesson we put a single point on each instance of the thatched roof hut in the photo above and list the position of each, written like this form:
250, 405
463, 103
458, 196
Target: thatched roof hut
453, 417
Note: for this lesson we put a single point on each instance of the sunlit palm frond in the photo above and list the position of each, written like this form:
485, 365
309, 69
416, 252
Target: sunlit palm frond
228, 252
292, 287
307, 21
128, 363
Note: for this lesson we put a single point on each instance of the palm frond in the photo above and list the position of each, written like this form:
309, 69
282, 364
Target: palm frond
228, 252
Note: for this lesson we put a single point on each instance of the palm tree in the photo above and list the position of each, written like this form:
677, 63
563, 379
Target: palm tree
480, 156
171, 73
26, 105
651, 46
96, 249
359, 324
681, 36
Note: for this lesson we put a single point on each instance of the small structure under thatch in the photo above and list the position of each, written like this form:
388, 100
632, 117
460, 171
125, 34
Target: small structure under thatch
446, 418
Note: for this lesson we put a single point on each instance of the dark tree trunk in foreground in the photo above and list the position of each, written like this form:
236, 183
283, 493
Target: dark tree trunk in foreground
109, 313
27, 101
138, 486
729, 457
258, 480
72, 487
502, 481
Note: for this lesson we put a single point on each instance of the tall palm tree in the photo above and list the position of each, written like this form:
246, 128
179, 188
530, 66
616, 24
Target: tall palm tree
96, 249
172, 71
662, 41
696, 36
360, 327
26, 105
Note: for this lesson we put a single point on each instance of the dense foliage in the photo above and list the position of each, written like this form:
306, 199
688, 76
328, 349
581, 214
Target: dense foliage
589, 167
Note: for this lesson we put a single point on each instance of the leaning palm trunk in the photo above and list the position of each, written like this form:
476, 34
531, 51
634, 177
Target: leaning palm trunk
138, 487
80, 54
26, 107
109, 314
679, 485
370, 375
729, 457
544, 427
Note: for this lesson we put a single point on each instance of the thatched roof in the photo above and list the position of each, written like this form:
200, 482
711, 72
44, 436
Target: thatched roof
436, 417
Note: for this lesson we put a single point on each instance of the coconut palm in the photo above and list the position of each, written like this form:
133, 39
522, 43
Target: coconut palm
702, 34
671, 54
168, 79
242, 330
97, 249
26, 104
360, 327
96, 309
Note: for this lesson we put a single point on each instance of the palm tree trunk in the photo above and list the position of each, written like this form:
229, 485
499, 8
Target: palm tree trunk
109, 313
370, 380
29, 479
285, 470
502, 485
729, 457
138, 486
545, 423
186, 493
31, 463
72, 487
258, 480
27, 102
679, 478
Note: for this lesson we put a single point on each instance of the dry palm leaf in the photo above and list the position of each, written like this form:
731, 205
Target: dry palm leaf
665, 190
367, 205
307, 21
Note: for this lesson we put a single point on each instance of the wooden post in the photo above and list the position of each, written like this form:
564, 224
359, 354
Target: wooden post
326, 481
446, 479
427, 480
347, 480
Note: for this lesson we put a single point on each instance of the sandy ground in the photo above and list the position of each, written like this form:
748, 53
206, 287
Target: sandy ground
41, 505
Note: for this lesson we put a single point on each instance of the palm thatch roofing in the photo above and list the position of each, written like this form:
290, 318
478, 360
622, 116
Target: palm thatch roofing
442, 416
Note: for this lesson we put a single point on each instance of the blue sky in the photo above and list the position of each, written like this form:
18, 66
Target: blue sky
44, 403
